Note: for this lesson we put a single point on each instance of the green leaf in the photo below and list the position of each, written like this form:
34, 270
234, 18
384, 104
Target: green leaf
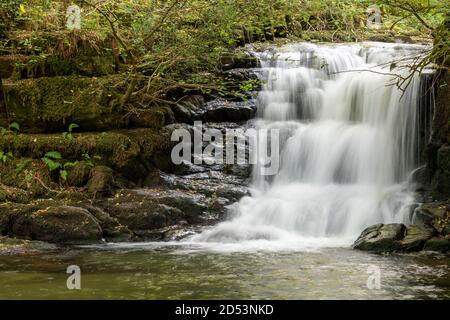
73, 126
14, 126
53, 155
70, 164
86, 156
63, 174
51, 165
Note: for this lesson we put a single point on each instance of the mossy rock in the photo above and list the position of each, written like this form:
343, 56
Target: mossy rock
47, 104
415, 238
112, 228
12, 194
115, 148
131, 155
32, 182
154, 210
8, 64
79, 174
438, 245
427, 212
58, 224
153, 117
60, 221
64, 52
51, 104
101, 180
240, 59
381, 238
13, 246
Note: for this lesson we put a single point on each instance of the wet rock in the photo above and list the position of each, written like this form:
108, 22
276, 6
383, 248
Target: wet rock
221, 110
140, 215
188, 109
61, 224
443, 158
189, 207
381, 238
146, 210
421, 178
13, 246
393, 237
429, 214
8, 193
438, 245
153, 117
404, 39
241, 75
415, 238
101, 181
78, 175
111, 227
239, 60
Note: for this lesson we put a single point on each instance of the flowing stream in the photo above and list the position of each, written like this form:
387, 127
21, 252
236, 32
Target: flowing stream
348, 140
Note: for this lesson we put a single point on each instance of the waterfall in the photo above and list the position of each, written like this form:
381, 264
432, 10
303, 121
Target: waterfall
347, 143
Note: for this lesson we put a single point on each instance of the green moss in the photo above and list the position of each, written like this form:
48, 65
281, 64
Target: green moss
50, 104
12, 194
114, 148
58, 100
34, 181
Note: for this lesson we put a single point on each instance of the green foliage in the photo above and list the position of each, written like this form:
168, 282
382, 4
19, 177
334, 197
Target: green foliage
90, 160
22, 165
176, 45
51, 158
5, 156
68, 134
13, 127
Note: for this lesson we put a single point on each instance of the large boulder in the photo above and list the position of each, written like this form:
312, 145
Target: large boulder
60, 221
381, 238
188, 108
62, 224
393, 237
426, 213
154, 209
111, 227
101, 180
221, 110
415, 238
433, 215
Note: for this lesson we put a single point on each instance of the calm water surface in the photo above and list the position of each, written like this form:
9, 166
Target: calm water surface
155, 271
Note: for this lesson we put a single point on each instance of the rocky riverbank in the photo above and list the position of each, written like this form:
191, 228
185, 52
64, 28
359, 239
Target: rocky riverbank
113, 179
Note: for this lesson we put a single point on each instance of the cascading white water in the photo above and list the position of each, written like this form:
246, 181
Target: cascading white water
347, 143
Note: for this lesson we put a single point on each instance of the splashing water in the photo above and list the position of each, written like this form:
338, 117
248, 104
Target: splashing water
348, 141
